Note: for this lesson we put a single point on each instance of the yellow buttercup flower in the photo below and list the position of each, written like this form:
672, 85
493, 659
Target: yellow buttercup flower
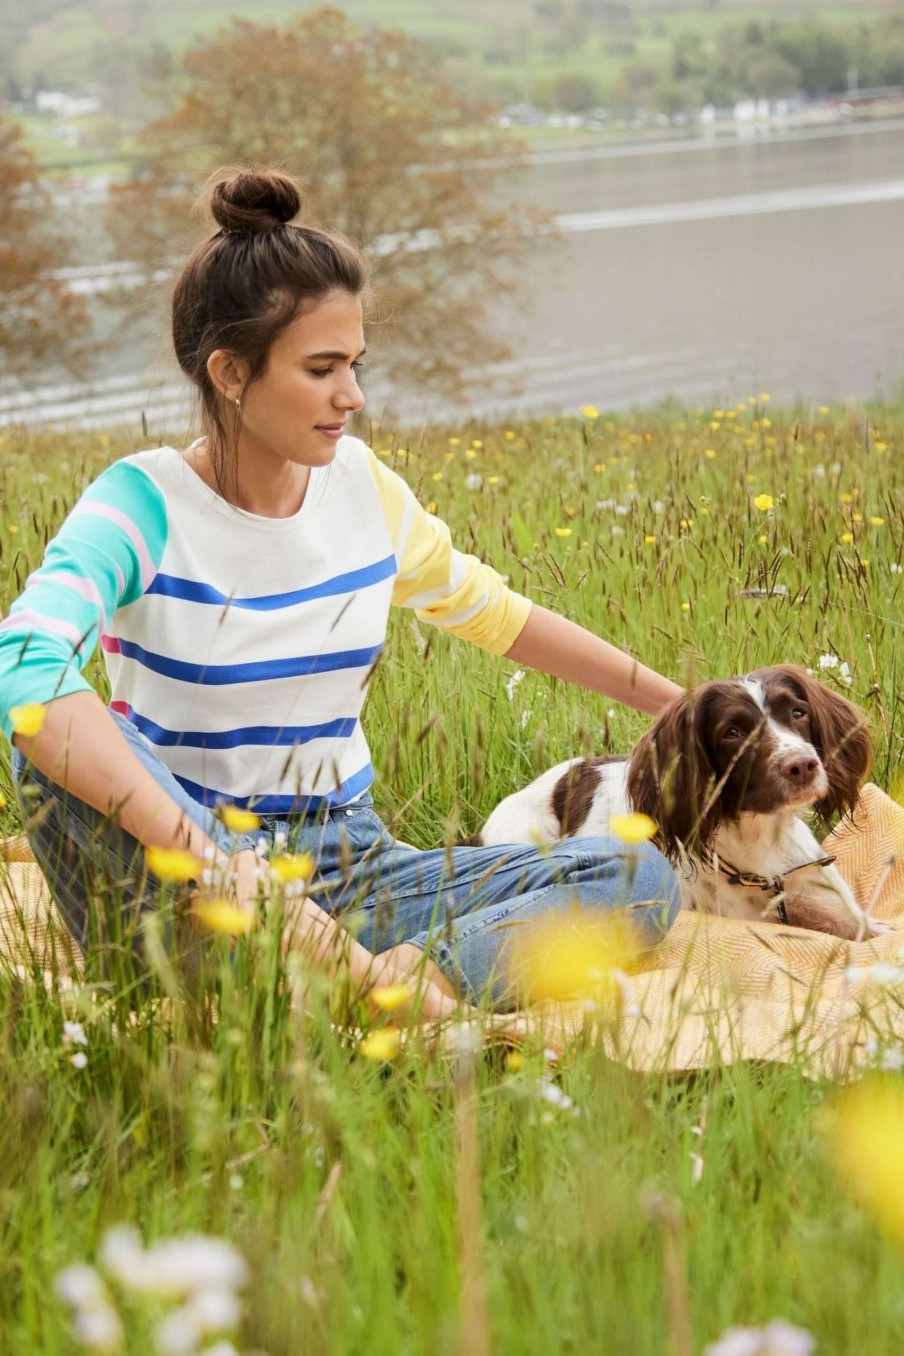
762, 539
868, 1148
381, 1045
454, 442
292, 866
509, 436
589, 411
222, 916
764, 398
560, 956
389, 997
650, 539
710, 453
563, 531
514, 1061
877, 522
764, 502
238, 820
633, 828
172, 864
685, 607
29, 719
847, 537
431, 507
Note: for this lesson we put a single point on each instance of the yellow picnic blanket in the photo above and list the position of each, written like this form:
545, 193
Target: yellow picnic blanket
715, 990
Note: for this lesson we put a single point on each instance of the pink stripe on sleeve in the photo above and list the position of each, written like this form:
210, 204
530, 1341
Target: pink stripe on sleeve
85, 588
95, 509
36, 621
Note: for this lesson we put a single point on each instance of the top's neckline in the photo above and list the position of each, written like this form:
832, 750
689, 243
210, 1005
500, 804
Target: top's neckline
213, 497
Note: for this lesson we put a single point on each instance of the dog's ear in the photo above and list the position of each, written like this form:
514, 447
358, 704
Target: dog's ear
841, 737
671, 778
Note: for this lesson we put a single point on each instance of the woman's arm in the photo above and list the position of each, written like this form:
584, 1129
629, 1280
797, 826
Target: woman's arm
81, 748
555, 645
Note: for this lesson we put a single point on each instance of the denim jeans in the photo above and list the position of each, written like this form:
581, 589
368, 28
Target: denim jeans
460, 904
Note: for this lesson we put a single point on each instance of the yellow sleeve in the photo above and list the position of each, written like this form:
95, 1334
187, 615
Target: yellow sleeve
446, 588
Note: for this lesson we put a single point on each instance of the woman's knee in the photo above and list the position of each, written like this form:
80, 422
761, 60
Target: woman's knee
655, 889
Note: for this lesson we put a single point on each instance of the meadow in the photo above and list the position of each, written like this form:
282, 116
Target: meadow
619, 1213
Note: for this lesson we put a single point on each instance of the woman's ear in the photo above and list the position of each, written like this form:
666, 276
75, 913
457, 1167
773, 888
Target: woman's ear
228, 374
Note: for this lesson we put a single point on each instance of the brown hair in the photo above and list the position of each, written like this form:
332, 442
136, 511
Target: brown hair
246, 283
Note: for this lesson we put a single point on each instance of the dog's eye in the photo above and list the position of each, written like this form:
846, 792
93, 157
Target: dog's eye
798, 713
732, 732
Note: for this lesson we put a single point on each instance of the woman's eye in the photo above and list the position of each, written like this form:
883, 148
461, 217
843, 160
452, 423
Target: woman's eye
357, 367
321, 371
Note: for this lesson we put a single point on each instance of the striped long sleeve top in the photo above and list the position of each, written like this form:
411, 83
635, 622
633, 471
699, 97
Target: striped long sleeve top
241, 646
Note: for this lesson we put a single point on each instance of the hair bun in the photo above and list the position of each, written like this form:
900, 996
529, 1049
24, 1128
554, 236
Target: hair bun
254, 200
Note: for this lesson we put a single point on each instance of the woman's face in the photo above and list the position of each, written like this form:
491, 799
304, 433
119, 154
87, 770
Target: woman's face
297, 410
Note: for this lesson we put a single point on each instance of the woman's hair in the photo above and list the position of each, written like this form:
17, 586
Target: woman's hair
245, 284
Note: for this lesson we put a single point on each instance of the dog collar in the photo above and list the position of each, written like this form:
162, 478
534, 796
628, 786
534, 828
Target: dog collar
774, 885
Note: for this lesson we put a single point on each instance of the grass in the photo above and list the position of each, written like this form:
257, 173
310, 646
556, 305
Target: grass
224, 1112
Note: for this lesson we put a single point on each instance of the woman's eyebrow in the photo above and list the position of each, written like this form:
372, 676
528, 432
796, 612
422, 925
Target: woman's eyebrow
334, 354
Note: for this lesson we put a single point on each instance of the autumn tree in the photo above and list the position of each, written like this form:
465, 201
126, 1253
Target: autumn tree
40, 319
388, 152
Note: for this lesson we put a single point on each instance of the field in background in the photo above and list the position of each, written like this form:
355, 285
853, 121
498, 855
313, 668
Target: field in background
230, 1115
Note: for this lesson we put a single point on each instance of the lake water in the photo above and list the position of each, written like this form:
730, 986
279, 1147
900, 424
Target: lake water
707, 273
712, 274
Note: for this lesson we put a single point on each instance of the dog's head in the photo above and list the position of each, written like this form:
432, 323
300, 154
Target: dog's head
774, 740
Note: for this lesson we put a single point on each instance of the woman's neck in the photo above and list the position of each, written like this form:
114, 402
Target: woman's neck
277, 495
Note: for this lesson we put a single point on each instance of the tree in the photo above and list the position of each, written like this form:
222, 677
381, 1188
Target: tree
40, 319
389, 153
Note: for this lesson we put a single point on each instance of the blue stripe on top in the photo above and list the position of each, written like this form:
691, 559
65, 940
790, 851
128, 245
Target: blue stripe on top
258, 671
283, 805
194, 591
269, 736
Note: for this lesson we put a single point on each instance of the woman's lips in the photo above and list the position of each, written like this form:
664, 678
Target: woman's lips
331, 430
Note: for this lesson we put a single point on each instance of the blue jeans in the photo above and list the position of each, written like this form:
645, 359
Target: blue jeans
459, 904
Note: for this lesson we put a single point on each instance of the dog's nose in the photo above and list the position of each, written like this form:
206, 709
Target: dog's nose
799, 768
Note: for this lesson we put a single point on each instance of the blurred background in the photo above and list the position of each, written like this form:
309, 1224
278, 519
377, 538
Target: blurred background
566, 201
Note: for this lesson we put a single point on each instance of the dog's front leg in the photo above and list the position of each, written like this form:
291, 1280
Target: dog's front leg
820, 898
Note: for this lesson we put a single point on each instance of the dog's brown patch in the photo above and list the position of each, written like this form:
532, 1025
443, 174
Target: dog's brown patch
573, 793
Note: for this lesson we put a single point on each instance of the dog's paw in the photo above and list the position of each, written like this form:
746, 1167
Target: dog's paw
876, 928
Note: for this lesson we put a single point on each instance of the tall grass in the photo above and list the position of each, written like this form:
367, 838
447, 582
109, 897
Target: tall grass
218, 1108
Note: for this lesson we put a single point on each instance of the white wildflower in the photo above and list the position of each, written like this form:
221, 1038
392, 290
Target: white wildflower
697, 1167
828, 661
525, 717
616, 530
776, 1339
882, 973
214, 1310
818, 470
176, 1266
74, 1034
473, 481
895, 568
550, 1092
236, 1181
513, 682
79, 1060
99, 1329
658, 506
177, 1334
80, 1286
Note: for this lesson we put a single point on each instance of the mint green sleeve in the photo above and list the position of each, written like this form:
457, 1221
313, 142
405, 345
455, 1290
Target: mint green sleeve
105, 556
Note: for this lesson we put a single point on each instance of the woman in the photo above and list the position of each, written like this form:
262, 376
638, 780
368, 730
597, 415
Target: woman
240, 590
